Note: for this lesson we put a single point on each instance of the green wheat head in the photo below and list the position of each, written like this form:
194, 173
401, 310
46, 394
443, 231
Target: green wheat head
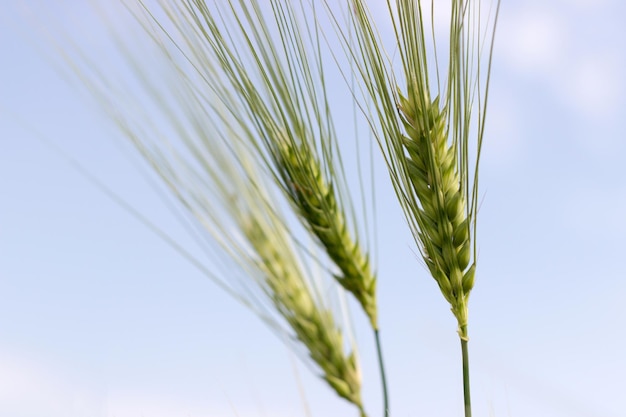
314, 199
313, 325
250, 151
444, 228
432, 145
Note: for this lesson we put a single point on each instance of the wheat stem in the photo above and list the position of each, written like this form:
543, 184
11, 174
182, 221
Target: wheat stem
466, 379
383, 377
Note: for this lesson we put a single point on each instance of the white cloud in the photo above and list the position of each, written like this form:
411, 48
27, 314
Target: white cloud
34, 388
586, 5
533, 40
135, 403
554, 48
30, 388
594, 86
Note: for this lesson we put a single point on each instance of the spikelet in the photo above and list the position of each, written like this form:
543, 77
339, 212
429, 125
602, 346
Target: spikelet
313, 325
444, 226
315, 200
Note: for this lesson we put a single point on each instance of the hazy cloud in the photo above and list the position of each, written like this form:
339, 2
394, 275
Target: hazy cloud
31, 388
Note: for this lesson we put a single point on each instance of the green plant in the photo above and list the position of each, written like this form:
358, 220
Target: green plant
426, 141
253, 153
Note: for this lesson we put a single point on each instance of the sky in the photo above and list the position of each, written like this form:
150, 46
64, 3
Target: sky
98, 317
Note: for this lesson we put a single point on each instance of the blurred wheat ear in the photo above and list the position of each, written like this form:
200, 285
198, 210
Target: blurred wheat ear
249, 149
313, 325
432, 142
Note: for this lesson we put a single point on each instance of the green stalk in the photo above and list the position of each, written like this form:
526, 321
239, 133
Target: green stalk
383, 378
466, 379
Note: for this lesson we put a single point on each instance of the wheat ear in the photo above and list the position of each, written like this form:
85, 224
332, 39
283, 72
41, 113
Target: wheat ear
314, 326
444, 231
314, 198
426, 141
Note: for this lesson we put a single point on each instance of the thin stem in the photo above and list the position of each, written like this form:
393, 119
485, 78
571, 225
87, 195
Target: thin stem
466, 379
383, 378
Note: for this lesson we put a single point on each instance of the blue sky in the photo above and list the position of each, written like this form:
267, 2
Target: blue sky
100, 318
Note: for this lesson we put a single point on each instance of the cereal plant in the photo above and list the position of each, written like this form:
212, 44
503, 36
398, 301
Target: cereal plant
242, 131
